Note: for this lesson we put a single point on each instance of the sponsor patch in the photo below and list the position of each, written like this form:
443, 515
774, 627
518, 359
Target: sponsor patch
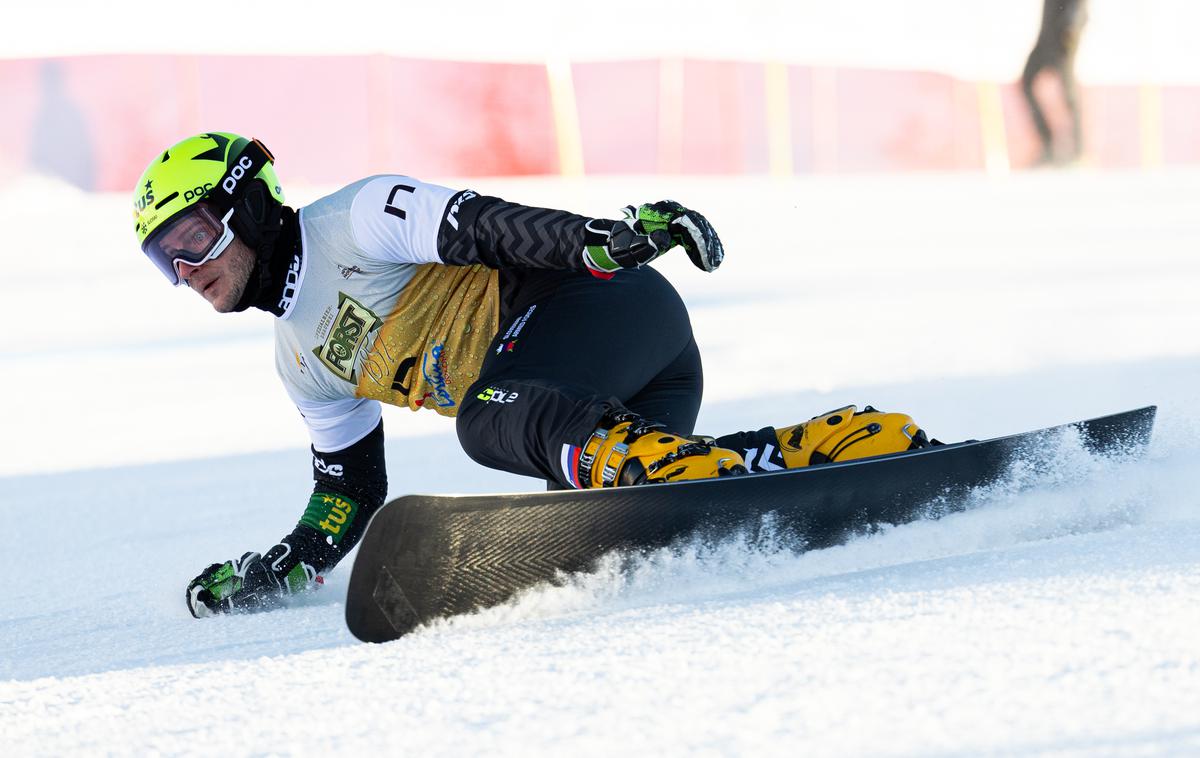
329, 515
570, 464
352, 324
436, 373
514, 329
497, 395
334, 469
452, 216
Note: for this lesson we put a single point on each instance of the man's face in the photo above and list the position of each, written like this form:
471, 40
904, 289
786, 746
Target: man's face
222, 280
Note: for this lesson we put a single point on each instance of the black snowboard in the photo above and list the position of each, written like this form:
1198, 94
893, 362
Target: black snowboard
428, 556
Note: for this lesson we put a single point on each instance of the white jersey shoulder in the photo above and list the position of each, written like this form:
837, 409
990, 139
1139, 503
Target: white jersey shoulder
361, 246
396, 218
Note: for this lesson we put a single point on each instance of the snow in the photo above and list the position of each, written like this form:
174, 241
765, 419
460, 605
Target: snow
147, 437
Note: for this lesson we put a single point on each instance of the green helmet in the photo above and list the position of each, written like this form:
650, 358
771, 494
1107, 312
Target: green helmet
196, 169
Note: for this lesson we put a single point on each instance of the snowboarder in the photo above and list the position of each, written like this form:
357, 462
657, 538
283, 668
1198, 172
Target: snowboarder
1057, 42
561, 355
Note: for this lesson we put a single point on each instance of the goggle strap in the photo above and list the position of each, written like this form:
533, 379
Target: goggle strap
232, 185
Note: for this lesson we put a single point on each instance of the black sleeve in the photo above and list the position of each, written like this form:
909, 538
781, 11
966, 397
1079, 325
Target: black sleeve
351, 484
504, 235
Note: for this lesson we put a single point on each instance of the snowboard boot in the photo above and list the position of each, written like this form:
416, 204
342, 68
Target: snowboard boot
844, 435
627, 450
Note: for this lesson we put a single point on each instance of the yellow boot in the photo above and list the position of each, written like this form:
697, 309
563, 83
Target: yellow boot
635, 451
845, 435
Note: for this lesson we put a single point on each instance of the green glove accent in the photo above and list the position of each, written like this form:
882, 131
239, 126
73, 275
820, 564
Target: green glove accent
222, 582
297, 579
656, 216
601, 258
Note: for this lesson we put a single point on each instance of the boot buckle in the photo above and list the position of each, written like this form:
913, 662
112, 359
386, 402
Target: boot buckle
612, 464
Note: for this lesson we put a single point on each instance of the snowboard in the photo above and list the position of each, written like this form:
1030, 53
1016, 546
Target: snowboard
429, 556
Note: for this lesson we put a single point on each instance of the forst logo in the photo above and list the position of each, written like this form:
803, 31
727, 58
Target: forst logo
351, 326
229, 184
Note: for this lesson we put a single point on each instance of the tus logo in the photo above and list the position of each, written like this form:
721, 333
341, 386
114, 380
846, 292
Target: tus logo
352, 324
339, 513
330, 515
142, 202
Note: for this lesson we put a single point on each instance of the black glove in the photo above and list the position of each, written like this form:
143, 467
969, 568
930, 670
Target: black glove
250, 583
647, 232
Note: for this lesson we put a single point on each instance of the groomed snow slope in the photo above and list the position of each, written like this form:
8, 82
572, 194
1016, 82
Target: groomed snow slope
147, 437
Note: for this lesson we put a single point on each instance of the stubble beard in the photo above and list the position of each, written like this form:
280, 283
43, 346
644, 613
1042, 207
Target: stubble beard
241, 266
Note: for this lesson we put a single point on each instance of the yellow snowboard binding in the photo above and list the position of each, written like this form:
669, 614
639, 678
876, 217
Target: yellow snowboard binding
845, 435
631, 450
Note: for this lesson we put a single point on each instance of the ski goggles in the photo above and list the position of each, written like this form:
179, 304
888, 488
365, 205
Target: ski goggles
194, 237
202, 232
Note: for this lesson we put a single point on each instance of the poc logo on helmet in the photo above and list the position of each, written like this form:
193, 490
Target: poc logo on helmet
236, 174
197, 192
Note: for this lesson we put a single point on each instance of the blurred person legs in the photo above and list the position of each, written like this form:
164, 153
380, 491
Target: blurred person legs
1054, 51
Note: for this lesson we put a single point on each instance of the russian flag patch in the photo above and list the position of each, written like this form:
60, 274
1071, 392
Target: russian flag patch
570, 464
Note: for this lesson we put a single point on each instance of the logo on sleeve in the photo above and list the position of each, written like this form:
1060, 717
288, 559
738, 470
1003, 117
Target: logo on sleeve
352, 324
330, 515
334, 469
452, 216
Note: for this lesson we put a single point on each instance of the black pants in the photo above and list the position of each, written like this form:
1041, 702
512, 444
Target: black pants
571, 348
